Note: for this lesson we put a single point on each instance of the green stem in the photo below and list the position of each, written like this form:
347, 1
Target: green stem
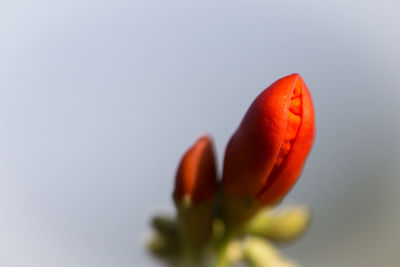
222, 259
222, 256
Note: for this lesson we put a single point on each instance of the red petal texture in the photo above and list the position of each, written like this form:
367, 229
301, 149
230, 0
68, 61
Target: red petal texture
265, 155
197, 176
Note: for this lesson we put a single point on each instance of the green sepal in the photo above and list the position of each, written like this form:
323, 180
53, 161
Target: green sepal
237, 211
195, 221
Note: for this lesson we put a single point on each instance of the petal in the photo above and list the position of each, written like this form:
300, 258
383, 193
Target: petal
196, 176
285, 175
254, 148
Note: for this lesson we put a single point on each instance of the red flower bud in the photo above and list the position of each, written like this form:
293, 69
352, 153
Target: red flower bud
265, 155
197, 176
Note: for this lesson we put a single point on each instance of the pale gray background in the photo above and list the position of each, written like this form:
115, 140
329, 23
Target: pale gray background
99, 99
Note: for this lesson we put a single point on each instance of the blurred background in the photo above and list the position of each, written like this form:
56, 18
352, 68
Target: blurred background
99, 100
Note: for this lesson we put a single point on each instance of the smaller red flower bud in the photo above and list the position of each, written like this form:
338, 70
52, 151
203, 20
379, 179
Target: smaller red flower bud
266, 154
196, 177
